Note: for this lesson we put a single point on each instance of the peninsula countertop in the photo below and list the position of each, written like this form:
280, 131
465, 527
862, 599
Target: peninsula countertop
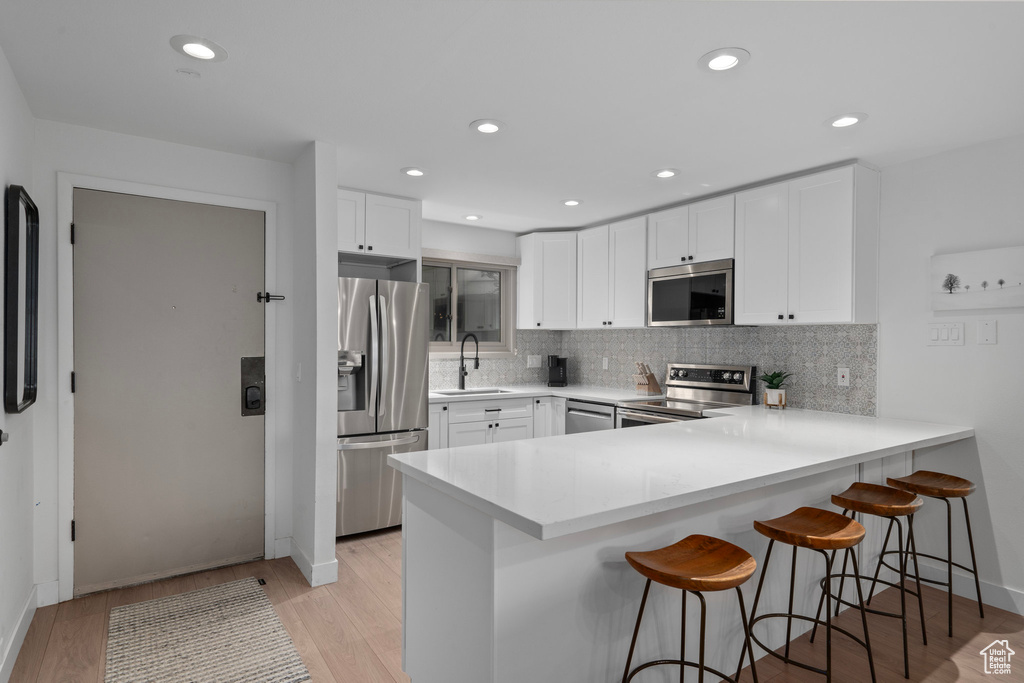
554, 486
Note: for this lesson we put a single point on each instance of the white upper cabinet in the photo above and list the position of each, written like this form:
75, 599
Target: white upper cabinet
547, 280
806, 250
612, 263
702, 231
372, 224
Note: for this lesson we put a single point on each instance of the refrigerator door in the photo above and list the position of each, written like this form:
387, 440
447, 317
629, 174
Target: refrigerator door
357, 320
403, 356
369, 490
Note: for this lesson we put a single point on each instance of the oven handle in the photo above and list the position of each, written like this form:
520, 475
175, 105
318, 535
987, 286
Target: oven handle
647, 417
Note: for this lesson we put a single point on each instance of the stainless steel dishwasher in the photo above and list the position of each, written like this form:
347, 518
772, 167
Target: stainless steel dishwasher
584, 416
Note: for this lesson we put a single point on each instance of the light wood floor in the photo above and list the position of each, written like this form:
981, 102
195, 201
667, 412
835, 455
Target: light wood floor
350, 631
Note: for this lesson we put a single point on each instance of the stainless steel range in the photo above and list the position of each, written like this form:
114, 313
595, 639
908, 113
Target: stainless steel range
690, 390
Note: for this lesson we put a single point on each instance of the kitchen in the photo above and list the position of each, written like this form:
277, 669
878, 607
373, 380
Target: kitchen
945, 192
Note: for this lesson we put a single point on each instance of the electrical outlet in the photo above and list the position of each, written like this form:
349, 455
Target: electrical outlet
533, 361
987, 332
843, 377
604, 363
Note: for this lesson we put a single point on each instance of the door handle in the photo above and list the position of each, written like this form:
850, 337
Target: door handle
384, 360
375, 363
366, 445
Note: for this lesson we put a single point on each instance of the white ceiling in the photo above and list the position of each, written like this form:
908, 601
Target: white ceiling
597, 94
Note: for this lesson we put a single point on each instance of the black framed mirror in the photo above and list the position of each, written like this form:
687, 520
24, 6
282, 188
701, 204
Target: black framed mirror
21, 299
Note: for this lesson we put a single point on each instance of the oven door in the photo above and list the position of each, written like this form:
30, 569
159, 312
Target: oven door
627, 417
699, 294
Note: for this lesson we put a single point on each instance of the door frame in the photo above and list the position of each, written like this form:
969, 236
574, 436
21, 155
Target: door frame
66, 185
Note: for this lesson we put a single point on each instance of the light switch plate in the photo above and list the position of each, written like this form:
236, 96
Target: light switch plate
987, 333
843, 377
604, 363
533, 361
945, 334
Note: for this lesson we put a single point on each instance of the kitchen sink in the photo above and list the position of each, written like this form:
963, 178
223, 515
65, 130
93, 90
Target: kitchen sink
472, 392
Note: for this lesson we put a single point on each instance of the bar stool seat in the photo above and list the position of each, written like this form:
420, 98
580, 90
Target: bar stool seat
933, 484
821, 531
878, 500
696, 563
813, 528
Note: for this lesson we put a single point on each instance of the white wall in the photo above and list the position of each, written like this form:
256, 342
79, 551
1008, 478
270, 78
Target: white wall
963, 200
17, 600
316, 342
468, 239
74, 149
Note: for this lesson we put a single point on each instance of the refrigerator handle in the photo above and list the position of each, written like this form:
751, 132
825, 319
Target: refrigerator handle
375, 363
385, 362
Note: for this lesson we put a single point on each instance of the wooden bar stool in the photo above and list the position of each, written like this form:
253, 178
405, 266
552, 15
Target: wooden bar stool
944, 487
821, 531
886, 502
695, 564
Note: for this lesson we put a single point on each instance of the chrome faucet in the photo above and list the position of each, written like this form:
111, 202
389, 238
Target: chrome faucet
462, 359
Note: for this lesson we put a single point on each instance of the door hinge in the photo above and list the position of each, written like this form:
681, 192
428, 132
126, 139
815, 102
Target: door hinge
72, 531
72, 233
72, 382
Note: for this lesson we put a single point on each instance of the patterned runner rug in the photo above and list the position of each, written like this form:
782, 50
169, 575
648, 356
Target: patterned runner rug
222, 634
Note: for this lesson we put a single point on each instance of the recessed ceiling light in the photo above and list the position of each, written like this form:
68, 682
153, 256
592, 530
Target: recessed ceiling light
665, 173
202, 49
413, 171
571, 202
473, 217
487, 125
724, 58
846, 120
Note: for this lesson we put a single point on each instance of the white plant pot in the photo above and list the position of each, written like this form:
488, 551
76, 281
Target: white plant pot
775, 397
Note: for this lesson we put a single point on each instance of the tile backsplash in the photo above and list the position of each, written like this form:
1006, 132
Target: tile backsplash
811, 352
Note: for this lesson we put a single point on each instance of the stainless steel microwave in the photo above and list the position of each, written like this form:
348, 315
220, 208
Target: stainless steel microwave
697, 294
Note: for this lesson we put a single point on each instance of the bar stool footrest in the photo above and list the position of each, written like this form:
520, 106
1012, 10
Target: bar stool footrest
819, 622
913, 577
676, 662
867, 609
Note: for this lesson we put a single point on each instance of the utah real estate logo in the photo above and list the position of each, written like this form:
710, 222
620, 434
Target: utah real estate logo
997, 657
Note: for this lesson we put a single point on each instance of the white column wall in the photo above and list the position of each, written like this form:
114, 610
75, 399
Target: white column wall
964, 200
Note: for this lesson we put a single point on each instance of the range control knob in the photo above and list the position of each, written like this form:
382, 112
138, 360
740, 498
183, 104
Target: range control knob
737, 376
683, 373
727, 376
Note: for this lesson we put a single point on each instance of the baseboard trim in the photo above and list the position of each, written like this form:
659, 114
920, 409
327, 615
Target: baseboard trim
283, 547
13, 647
47, 593
1003, 597
319, 574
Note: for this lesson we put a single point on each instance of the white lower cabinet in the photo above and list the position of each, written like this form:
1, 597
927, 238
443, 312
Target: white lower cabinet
496, 431
548, 416
437, 427
512, 430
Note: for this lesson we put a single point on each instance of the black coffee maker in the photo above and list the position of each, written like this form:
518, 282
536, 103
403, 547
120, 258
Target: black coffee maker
557, 374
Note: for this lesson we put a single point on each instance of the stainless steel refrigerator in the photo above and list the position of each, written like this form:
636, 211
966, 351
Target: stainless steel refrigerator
382, 396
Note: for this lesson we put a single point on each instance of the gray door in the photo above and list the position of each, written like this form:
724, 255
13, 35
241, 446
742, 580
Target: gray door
168, 475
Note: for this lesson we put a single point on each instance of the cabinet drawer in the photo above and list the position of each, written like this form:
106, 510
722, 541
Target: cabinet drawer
476, 411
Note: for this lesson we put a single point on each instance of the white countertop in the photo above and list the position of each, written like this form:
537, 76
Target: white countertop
554, 486
582, 392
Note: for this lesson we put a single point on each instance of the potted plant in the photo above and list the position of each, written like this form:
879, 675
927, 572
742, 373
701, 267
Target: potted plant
774, 394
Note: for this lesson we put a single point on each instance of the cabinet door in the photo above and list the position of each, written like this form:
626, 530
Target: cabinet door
512, 430
712, 227
469, 434
762, 254
557, 416
489, 409
542, 413
351, 221
627, 267
594, 282
821, 247
437, 426
668, 237
392, 226
555, 293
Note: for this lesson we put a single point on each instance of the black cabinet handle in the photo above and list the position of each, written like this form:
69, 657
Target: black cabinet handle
781, 316
791, 316
369, 248
538, 324
444, 408
490, 426
495, 424
360, 246
689, 258
682, 258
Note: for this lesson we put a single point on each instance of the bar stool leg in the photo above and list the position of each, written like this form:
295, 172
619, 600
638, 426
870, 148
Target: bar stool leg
828, 617
949, 564
903, 596
912, 546
974, 559
863, 615
636, 630
821, 602
700, 655
746, 639
682, 642
878, 567
792, 583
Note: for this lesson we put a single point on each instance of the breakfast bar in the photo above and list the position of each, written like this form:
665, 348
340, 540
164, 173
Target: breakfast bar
513, 562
